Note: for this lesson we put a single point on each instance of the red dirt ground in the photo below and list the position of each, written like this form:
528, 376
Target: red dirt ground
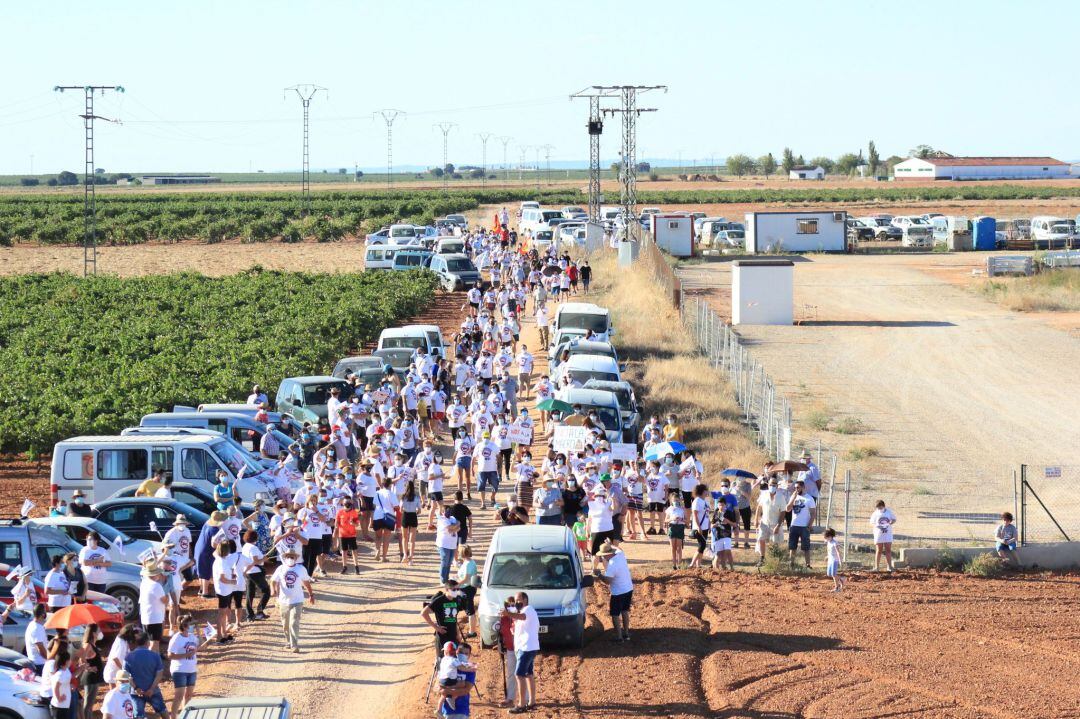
736, 645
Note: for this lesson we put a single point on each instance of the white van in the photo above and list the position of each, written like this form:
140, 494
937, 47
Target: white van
536, 220
585, 316
401, 234
542, 561
100, 466
610, 214
1053, 232
380, 257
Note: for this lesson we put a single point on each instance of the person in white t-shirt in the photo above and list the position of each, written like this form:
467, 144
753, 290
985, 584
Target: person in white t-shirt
616, 574
290, 583
183, 647
803, 509
58, 588
228, 571
700, 523
95, 562
153, 602
35, 639
118, 702
882, 520
60, 685
769, 515
526, 647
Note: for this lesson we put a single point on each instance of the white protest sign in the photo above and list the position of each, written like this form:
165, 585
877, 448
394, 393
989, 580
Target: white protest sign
27, 505
626, 451
519, 434
380, 395
570, 439
208, 631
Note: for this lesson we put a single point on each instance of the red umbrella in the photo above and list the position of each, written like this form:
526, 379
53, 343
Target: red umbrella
77, 615
788, 466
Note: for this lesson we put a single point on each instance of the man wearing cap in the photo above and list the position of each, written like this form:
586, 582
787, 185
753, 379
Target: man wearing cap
153, 601
616, 574
486, 460
118, 702
78, 506
290, 583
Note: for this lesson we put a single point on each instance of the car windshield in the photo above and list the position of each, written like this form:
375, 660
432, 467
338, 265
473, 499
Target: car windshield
411, 343
110, 534
552, 214
403, 232
460, 265
881, 222
320, 393
1061, 228
735, 235
584, 376
603, 350
543, 235
586, 321
235, 458
532, 570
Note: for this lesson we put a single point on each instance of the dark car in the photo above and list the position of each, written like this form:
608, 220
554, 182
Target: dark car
186, 493
370, 369
397, 357
133, 515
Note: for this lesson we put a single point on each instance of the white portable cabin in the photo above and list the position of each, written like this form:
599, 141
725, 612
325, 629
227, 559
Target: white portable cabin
674, 233
796, 232
763, 292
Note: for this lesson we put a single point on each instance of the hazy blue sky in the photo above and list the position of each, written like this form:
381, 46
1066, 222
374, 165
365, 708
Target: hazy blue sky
204, 78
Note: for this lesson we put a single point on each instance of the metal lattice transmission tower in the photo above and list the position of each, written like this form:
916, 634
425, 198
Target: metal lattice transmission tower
89, 178
547, 163
484, 137
521, 164
536, 167
628, 163
389, 115
505, 140
306, 92
595, 127
446, 127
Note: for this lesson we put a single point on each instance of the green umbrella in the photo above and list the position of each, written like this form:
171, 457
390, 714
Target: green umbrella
554, 405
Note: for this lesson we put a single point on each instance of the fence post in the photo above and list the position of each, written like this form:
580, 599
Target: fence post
847, 508
832, 488
1023, 504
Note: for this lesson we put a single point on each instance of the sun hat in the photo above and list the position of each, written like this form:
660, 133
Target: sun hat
152, 569
217, 518
122, 676
180, 520
606, 549
78, 493
805, 454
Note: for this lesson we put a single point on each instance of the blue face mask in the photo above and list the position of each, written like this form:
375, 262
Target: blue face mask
125, 688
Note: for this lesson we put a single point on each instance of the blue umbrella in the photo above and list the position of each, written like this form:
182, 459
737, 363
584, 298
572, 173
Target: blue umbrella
659, 450
732, 472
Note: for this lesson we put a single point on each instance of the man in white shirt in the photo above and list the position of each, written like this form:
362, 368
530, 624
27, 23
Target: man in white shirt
257, 396
525, 367
36, 639
526, 647
770, 514
617, 575
486, 463
803, 509
542, 325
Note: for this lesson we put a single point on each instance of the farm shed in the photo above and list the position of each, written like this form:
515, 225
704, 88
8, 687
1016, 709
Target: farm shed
807, 172
179, 179
796, 232
762, 292
981, 168
674, 233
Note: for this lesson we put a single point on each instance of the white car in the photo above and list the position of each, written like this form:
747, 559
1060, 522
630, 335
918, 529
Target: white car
20, 699
121, 547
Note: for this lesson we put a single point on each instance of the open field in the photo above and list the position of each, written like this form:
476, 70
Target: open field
952, 392
1047, 291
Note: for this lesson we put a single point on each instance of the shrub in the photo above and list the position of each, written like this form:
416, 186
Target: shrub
987, 566
863, 451
777, 561
849, 425
818, 419
948, 560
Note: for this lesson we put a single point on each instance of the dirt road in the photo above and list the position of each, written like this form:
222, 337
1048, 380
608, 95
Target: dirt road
953, 390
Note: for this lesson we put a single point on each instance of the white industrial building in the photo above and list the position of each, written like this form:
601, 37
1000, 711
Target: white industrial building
807, 172
796, 232
981, 168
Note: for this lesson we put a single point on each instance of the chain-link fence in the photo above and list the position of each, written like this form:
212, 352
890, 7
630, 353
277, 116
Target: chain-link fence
1048, 506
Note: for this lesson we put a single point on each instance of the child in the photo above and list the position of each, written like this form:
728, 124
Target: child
723, 524
1005, 536
581, 534
452, 686
675, 516
833, 553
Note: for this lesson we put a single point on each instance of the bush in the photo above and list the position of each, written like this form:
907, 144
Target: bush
987, 566
818, 419
863, 451
29, 181
777, 561
654, 176
849, 425
948, 560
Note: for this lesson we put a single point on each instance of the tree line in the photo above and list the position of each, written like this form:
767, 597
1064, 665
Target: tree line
846, 164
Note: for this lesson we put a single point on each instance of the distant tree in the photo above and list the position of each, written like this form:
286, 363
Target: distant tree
654, 176
67, 178
325, 172
846, 163
767, 165
99, 170
799, 160
455, 175
873, 159
51, 182
789, 160
921, 151
739, 165
437, 171
343, 170
643, 167
449, 168
359, 174
29, 181
824, 162
892, 162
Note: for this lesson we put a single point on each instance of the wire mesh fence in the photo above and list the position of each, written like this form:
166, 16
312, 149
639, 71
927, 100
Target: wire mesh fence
1048, 507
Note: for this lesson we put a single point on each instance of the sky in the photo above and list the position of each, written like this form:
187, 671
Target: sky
204, 80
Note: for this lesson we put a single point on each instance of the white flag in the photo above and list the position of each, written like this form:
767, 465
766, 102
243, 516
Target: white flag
13, 573
27, 505
209, 632
146, 556
120, 546
153, 527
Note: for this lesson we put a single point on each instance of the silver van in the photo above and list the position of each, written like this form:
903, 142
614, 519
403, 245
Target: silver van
244, 430
542, 561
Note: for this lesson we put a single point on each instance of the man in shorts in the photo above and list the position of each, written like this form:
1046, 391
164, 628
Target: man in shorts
616, 574
803, 509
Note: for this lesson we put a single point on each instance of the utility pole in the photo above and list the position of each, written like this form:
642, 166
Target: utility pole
537, 148
547, 163
521, 164
89, 179
595, 127
628, 165
484, 137
506, 140
306, 92
446, 127
389, 116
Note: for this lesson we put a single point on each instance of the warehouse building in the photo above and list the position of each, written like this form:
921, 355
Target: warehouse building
981, 168
178, 179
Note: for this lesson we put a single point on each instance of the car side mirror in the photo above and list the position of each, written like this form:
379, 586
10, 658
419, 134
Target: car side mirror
622, 367
587, 581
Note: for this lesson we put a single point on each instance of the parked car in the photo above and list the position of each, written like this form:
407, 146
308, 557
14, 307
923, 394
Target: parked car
561, 337
542, 240
628, 404
368, 368
33, 546
450, 246
882, 227
859, 230
584, 316
19, 699
15, 661
527, 205
283, 421
459, 220
582, 368
909, 221
730, 238
378, 238
1053, 232
412, 337
305, 398
574, 212
189, 494
917, 236
380, 257
134, 515
543, 561
579, 346
411, 260
456, 271
120, 547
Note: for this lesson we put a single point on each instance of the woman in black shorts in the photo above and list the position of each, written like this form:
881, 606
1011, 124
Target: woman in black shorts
410, 507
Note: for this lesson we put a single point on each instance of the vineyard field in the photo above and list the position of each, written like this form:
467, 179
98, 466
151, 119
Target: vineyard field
56, 219
92, 355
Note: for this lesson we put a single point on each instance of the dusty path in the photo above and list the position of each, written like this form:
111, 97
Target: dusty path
954, 390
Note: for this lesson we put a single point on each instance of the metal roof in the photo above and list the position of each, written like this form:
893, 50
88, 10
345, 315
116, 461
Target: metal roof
990, 161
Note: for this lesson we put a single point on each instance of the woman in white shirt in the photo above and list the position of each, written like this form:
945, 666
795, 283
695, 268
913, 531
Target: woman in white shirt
183, 663
882, 520
384, 518
254, 575
699, 511
226, 573
675, 518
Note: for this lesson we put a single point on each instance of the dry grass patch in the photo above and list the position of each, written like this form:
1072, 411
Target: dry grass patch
1048, 291
668, 373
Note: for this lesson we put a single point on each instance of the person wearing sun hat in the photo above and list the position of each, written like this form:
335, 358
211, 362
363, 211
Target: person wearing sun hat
118, 703
153, 601
204, 552
811, 476
616, 574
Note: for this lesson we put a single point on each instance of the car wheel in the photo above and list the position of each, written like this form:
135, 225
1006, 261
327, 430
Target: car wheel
127, 599
6, 714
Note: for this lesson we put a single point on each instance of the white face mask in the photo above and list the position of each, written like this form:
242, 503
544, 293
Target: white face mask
290, 562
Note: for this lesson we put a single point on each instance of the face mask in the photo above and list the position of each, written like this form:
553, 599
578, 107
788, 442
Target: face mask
669, 460
125, 688
290, 562
592, 417
78, 500
560, 462
571, 484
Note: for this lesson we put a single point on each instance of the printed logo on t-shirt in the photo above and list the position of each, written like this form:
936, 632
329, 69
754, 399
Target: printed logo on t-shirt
290, 579
129, 709
234, 531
